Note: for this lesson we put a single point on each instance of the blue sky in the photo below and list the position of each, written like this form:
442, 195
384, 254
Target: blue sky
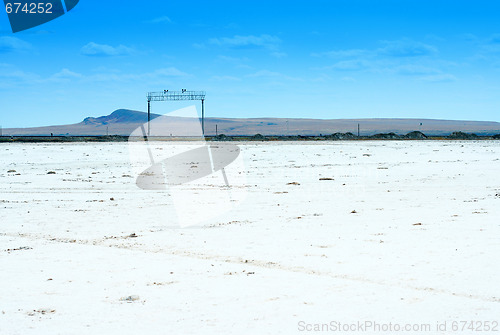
309, 59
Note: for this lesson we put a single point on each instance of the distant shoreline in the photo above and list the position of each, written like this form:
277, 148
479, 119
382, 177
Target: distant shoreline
414, 136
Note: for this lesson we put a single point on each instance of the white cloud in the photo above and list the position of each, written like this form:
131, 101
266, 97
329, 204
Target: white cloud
16, 77
343, 53
470, 37
230, 59
350, 65
270, 74
349, 79
20, 76
495, 39
104, 50
226, 78
265, 73
262, 41
199, 45
13, 44
402, 57
400, 49
279, 54
412, 69
155, 75
170, 72
439, 78
161, 19
65, 75
237, 62
406, 48
488, 49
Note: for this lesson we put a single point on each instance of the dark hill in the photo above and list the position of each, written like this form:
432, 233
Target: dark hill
119, 116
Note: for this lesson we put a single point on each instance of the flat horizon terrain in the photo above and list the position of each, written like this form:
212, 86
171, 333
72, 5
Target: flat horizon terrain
124, 122
400, 232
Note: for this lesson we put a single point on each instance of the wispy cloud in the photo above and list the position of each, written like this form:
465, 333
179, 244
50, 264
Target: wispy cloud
343, 53
65, 75
424, 73
406, 48
234, 60
153, 76
469, 37
226, 78
103, 50
161, 19
439, 78
349, 79
401, 57
199, 46
14, 77
270, 74
279, 54
400, 48
13, 44
495, 39
350, 65
487, 49
265, 73
20, 75
238, 62
170, 72
416, 70
251, 41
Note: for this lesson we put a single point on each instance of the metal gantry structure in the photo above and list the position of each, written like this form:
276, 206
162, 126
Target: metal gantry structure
182, 95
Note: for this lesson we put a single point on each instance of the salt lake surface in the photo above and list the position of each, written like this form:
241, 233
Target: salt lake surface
406, 232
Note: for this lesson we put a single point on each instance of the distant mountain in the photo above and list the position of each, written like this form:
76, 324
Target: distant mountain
124, 122
119, 116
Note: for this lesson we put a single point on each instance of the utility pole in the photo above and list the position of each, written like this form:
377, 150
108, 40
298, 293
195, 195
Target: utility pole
216, 131
149, 117
203, 116
358, 129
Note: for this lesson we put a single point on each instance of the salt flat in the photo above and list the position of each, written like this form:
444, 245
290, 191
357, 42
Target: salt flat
401, 232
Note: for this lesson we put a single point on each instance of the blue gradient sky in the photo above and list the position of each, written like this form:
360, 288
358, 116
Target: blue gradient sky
311, 59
